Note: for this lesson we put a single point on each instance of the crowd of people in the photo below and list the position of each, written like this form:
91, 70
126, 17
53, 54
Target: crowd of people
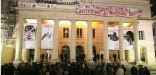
70, 68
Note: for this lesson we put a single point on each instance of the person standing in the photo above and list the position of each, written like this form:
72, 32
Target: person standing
61, 56
101, 57
134, 70
147, 72
42, 57
120, 71
141, 70
83, 57
114, 56
46, 57
109, 69
65, 56
98, 57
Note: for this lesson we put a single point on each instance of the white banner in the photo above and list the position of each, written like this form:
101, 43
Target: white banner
47, 36
36, 5
113, 37
107, 10
128, 38
29, 36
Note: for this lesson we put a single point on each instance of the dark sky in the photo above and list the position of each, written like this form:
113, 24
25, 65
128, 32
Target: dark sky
153, 8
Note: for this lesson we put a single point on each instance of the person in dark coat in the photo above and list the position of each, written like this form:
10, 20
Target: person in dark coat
141, 70
114, 56
109, 69
147, 72
61, 56
31, 57
98, 57
134, 70
42, 57
94, 58
46, 57
102, 57
65, 56
83, 57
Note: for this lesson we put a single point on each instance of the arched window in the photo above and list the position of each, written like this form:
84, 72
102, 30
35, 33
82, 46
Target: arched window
65, 47
142, 53
65, 55
79, 53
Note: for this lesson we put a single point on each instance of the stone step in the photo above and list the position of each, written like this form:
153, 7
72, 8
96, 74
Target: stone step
152, 73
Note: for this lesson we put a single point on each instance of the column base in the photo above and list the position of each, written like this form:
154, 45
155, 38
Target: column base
124, 62
90, 61
107, 61
54, 61
139, 62
72, 60
15, 62
25, 61
36, 60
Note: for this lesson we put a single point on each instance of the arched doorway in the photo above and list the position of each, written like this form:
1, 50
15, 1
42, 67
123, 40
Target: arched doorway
94, 53
142, 53
79, 53
65, 55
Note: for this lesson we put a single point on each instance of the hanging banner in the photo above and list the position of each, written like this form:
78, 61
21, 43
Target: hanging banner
29, 36
36, 5
66, 2
107, 10
47, 36
128, 38
113, 37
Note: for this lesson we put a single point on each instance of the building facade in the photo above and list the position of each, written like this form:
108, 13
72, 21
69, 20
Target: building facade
80, 28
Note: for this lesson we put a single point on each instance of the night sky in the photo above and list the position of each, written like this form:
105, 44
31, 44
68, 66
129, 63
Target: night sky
153, 8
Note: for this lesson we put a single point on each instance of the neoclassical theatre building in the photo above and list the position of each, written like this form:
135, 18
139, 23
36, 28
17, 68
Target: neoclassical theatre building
118, 29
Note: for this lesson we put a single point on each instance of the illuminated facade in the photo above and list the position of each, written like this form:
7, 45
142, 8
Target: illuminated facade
76, 31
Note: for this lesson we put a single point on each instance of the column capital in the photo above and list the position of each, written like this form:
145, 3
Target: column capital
39, 19
136, 22
22, 17
89, 20
56, 20
121, 21
72, 20
105, 21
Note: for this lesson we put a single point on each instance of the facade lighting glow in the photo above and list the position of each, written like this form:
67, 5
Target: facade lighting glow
31, 20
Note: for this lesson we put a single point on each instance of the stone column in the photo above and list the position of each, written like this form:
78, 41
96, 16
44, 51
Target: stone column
19, 41
25, 55
55, 41
121, 44
38, 40
105, 42
72, 41
89, 42
136, 40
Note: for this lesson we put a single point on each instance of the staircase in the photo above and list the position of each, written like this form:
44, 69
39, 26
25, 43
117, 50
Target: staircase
151, 68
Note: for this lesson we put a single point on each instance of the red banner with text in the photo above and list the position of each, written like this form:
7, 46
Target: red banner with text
107, 10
